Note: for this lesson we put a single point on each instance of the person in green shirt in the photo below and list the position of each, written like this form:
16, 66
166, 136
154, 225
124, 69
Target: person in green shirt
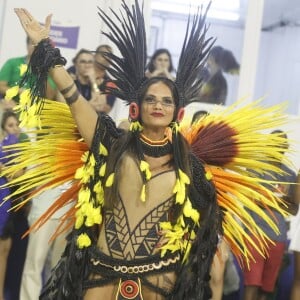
11, 73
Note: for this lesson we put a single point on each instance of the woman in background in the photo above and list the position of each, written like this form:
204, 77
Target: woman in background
160, 64
214, 89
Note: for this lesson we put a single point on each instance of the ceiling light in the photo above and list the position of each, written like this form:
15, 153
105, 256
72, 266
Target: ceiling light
220, 9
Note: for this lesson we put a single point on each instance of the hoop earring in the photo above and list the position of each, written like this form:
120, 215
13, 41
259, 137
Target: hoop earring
134, 111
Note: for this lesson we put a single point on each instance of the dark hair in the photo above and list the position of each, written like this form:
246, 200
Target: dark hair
225, 59
198, 114
217, 54
7, 114
104, 46
158, 52
81, 51
284, 144
279, 132
229, 63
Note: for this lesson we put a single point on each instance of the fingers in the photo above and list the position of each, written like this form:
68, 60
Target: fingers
48, 22
19, 13
27, 14
24, 17
32, 27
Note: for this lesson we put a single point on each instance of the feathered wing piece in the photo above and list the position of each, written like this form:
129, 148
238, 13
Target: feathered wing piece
193, 55
230, 141
50, 159
233, 144
129, 36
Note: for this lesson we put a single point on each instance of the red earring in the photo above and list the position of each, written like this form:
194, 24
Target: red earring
134, 111
180, 114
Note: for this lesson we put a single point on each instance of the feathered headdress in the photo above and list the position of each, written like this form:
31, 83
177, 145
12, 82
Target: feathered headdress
128, 70
130, 39
192, 58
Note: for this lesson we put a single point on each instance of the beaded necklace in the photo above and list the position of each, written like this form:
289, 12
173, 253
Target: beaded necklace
155, 148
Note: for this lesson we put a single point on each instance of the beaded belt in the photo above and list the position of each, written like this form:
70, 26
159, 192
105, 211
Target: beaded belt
138, 269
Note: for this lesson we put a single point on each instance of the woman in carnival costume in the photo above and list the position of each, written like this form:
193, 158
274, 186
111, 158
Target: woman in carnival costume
151, 202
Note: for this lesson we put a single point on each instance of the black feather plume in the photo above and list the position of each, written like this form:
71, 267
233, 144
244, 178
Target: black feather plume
193, 56
129, 36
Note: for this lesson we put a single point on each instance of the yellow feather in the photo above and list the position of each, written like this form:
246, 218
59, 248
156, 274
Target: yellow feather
110, 180
11, 92
143, 193
83, 241
23, 69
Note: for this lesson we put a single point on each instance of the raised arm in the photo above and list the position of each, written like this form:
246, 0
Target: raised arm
84, 115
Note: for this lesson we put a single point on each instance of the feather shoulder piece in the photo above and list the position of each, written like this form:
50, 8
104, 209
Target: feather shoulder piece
236, 146
51, 159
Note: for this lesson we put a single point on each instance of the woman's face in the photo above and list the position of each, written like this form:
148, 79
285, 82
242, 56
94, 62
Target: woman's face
12, 126
158, 106
84, 63
162, 62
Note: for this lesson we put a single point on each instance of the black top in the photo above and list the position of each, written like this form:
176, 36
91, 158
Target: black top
86, 91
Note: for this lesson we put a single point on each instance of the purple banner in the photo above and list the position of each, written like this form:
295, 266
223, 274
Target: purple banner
66, 37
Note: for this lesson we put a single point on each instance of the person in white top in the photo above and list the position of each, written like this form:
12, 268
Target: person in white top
39, 246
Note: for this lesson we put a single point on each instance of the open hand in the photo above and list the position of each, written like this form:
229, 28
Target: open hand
32, 27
